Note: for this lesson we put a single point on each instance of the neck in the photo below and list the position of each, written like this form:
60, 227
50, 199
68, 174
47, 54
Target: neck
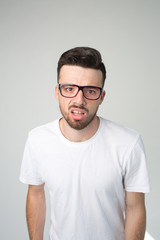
74, 135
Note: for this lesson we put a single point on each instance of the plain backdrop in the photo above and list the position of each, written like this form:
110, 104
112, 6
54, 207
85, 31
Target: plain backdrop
33, 35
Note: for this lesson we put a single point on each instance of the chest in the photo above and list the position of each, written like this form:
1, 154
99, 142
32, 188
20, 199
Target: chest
91, 168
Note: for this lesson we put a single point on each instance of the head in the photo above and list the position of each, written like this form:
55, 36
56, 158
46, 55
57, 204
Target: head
84, 57
82, 67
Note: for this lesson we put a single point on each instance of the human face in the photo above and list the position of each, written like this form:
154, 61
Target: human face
79, 112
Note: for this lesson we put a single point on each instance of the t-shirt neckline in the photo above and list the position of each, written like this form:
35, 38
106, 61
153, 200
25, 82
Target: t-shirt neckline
66, 141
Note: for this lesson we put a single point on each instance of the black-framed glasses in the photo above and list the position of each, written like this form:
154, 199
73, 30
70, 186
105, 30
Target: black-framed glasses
71, 90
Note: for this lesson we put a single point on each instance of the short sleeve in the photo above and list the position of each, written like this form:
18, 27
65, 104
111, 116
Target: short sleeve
136, 177
29, 173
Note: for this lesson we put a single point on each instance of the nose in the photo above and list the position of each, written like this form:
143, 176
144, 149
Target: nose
79, 98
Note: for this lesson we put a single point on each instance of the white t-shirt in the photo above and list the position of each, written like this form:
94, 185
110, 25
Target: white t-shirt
86, 180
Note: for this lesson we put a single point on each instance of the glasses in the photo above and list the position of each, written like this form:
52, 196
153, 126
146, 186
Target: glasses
71, 90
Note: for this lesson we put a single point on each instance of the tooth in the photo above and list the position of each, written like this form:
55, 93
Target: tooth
77, 112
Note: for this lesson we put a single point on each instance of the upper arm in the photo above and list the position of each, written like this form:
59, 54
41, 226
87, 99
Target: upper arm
134, 200
135, 216
36, 189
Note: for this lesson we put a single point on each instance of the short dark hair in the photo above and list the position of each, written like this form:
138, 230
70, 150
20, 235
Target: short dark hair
82, 56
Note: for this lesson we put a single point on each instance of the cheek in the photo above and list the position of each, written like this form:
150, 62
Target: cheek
94, 106
64, 104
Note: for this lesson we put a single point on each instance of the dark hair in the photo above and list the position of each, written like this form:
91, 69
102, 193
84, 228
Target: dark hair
84, 57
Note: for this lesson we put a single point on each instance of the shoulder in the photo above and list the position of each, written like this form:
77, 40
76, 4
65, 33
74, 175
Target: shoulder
43, 132
118, 129
119, 134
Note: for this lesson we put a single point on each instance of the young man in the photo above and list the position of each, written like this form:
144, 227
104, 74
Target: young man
95, 169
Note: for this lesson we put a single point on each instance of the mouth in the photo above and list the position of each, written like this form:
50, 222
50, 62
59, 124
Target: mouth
78, 114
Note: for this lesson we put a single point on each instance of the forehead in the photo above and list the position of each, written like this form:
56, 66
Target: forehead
80, 76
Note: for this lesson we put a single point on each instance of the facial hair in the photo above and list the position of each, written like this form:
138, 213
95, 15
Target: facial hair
78, 124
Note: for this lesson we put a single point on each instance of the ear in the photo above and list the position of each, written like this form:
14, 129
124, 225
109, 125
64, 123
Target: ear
102, 97
57, 92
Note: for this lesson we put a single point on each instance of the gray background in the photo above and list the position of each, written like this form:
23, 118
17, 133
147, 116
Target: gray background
33, 36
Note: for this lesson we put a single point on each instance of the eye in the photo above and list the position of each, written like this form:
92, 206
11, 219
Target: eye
69, 89
91, 91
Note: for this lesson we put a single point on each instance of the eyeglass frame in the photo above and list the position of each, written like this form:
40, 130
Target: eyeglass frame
79, 88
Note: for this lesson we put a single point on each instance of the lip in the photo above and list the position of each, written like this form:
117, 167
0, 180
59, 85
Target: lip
78, 113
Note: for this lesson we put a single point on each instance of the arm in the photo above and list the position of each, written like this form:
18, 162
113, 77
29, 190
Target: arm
135, 220
35, 211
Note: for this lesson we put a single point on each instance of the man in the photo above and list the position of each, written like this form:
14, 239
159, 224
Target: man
95, 169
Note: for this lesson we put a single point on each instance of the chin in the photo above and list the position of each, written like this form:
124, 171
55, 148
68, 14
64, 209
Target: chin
79, 124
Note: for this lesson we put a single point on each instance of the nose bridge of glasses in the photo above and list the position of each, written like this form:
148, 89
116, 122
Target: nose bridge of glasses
80, 88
